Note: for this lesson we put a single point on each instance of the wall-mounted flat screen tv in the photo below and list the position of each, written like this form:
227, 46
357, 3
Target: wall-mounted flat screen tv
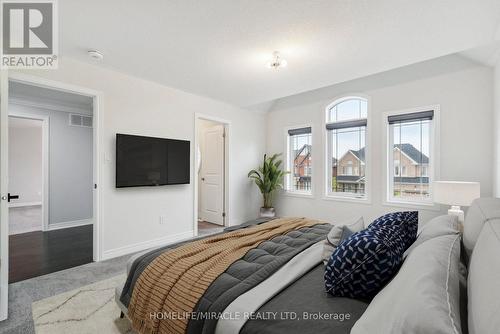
148, 161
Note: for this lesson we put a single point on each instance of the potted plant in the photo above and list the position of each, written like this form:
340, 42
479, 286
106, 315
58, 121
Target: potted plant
269, 178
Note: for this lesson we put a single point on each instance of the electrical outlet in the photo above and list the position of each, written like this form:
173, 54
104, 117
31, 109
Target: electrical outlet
163, 220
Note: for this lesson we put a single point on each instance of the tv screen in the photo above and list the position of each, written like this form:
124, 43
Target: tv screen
148, 161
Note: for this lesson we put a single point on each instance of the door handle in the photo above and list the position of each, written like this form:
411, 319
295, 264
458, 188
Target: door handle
203, 179
9, 197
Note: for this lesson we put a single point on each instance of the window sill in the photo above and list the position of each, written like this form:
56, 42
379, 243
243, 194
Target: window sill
347, 199
413, 205
298, 194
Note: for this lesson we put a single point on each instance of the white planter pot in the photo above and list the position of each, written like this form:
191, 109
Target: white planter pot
267, 212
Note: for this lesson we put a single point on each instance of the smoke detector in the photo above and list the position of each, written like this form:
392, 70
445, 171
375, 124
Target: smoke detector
277, 62
95, 55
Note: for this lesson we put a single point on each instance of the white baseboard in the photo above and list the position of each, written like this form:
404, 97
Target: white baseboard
19, 205
75, 223
140, 246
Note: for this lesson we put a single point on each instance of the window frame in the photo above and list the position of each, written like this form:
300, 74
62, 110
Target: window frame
346, 197
433, 169
288, 164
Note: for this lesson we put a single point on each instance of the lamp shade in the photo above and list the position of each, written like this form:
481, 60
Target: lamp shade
456, 193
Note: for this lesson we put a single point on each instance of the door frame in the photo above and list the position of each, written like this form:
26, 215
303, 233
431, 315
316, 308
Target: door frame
4, 209
45, 161
226, 202
96, 128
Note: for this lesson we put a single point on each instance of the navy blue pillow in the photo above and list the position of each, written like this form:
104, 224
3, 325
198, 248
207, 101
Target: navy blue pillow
362, 264
409, 220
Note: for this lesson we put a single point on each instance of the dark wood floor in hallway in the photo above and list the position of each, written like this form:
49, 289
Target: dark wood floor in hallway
38, 253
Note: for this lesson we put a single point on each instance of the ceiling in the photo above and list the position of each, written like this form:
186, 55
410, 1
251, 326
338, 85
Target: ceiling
220, 48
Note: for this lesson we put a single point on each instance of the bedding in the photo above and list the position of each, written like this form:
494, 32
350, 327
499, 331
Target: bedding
138, 262
306, 296
303, 293
253, 255
250, 301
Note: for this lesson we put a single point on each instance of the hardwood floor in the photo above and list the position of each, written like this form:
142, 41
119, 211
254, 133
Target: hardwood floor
38, 253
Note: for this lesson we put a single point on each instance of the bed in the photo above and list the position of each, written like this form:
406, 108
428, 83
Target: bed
287, 295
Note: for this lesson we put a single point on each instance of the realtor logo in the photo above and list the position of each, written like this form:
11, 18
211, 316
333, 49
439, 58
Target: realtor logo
29, 34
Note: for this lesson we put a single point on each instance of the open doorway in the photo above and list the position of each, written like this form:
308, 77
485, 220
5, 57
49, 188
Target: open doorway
51, 180
211, 149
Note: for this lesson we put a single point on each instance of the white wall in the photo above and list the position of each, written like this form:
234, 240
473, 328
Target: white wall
70, 166
462, 89
25, 163
131, 216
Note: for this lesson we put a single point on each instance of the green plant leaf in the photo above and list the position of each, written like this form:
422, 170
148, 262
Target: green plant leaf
268, 177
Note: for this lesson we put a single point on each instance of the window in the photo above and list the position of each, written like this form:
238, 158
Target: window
346, 156
299, 160
410, 157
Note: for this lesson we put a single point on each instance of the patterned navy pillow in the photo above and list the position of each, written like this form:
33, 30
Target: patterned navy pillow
362, 264
395, 218
409, 220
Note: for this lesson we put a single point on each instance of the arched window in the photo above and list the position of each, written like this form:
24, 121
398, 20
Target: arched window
346, 123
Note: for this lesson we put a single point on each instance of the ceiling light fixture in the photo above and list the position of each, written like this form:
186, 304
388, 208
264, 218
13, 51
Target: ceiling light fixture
277, 62
95, 55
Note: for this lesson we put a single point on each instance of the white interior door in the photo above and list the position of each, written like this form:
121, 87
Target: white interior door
212, 175
4, 211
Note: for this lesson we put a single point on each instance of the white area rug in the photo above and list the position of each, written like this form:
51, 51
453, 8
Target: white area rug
89, 309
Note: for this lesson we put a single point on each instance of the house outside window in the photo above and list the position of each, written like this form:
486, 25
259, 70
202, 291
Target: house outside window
346, 123
299, 160
410, 142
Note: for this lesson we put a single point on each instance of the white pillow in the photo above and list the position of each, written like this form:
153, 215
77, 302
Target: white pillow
423, 297
440, 225
484, 276
481, 211
338, 233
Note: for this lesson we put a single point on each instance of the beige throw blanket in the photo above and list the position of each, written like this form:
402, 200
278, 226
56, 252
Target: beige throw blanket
174, 282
